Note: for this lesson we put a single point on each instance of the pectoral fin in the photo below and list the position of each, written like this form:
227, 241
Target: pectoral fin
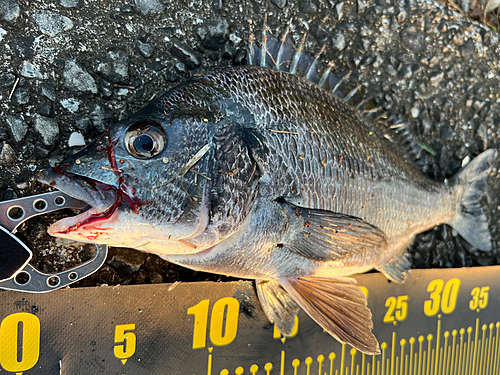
337, 305
325, 235
279, 306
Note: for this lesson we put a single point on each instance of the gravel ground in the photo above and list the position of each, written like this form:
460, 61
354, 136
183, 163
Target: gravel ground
70, 68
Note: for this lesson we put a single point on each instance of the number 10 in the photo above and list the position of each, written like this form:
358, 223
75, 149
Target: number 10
220, 333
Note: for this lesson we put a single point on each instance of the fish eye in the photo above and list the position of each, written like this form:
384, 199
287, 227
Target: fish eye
145, 140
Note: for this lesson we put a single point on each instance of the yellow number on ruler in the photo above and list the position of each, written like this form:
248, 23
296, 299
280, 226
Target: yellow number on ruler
128, 339
450, 293
431, 307
222, 331
391, 304
479, 298
483, 297
10, 359
200, 312
401, 308
218, 335
397, 309
442, 296
364, 290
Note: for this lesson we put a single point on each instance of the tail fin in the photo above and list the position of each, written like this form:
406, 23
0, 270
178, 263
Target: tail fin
470, 220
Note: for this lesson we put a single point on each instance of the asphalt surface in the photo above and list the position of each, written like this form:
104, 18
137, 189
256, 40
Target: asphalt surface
70, 68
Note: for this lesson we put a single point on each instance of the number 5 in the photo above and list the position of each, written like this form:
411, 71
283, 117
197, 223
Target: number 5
401, 308
483, 297
127, 338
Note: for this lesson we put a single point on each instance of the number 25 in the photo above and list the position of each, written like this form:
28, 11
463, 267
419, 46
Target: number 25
397, 309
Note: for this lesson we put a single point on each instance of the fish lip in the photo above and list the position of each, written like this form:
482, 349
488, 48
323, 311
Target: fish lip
98, 195
102, 198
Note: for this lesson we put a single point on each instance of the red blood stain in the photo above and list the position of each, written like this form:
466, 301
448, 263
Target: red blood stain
125, 194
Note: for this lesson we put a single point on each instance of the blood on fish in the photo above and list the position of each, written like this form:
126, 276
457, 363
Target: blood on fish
125, 194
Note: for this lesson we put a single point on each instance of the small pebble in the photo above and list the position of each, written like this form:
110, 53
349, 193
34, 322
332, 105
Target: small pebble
17, 126
145, 49
213, 33
51, 23
339, 9
48, 90
47, 128
22, 185
148, 6
115, 68
45, 109
78, 79
76, 139
7, 155
436, 78
184, 53
21, 95
71, 3
9, 10
279, 3
71, 104
29, 71
308, 7
339, 41
122, 91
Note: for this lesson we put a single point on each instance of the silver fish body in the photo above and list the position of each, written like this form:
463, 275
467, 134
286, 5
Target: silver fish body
258, 173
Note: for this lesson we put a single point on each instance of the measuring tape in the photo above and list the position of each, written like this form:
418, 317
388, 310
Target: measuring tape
443, 321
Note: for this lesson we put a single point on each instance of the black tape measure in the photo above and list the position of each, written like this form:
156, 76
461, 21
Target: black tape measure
438, 322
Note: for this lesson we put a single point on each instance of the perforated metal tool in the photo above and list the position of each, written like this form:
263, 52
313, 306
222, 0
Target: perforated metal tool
15, 271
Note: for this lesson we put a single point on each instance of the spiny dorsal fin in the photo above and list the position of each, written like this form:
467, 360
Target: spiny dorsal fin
337, 305
281, 54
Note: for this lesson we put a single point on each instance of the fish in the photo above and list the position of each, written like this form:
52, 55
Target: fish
266, 172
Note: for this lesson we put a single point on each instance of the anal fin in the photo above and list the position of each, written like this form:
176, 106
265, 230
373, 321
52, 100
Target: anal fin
337, 305
397, 269
279, 307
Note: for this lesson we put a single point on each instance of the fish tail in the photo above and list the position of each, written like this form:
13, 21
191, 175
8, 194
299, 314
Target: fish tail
470, 220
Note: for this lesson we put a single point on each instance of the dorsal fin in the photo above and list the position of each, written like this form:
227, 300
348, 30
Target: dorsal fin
281, 54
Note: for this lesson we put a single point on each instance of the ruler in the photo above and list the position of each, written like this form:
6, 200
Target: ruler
443, 321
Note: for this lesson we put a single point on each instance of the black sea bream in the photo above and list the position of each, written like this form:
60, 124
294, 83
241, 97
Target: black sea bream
260, 173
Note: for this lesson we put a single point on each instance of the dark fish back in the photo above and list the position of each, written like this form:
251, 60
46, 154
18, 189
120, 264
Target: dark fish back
321, 154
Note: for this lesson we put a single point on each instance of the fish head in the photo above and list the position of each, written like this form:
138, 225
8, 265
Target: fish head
146, 181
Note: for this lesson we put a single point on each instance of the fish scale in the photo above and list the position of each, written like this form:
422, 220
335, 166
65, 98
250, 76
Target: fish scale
333, 137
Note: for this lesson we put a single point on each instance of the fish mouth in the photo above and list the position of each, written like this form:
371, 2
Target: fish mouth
103, 199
